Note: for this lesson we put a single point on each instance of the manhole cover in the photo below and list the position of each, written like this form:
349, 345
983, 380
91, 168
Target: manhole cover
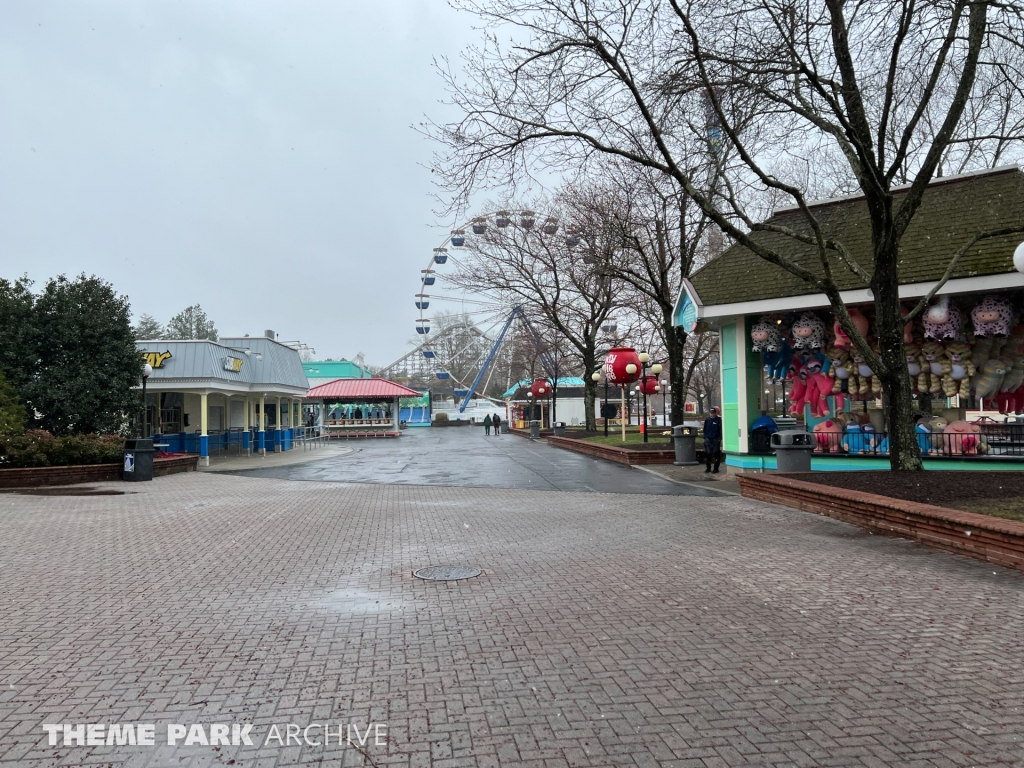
446, 572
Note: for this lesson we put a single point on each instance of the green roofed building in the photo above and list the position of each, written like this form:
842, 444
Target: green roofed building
322, 371
738, 289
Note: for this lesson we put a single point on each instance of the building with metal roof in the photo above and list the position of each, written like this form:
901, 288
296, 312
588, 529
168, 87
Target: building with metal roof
223, 395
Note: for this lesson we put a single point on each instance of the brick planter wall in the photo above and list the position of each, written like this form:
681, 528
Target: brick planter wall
36, 477
979, 536
174, 465
610, 452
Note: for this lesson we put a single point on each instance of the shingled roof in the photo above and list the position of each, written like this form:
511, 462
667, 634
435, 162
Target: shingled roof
951, 211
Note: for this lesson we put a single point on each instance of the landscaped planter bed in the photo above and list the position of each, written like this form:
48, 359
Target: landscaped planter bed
981, 536
633, 455
36, 477
991, 493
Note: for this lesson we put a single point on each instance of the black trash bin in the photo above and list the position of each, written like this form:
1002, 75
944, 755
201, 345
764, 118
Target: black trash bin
559, 429
534, 429
138, 459
685, 439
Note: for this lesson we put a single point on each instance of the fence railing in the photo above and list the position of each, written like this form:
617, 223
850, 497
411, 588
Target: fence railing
982, 440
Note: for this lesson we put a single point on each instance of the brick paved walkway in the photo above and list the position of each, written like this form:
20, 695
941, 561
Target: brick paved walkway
607, 630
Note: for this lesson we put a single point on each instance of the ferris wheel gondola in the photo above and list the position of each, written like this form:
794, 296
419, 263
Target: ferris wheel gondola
491, 312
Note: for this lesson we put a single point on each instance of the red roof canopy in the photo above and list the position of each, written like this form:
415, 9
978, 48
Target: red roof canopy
360, 389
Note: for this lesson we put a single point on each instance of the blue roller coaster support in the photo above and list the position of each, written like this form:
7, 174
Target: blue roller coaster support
490, 358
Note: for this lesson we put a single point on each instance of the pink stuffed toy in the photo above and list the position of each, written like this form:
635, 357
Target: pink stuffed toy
961, 438
828, 436
811, 385
860, 323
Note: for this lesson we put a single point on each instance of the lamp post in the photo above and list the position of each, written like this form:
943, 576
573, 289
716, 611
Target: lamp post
655, 369
147, 370
596, 377
631, 369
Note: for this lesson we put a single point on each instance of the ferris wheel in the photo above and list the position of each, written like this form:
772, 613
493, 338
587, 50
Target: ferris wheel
490, 313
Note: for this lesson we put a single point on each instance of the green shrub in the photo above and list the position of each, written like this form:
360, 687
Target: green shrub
38, 448
440, 417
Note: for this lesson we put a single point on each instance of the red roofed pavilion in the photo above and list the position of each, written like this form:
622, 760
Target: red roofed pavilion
360, 407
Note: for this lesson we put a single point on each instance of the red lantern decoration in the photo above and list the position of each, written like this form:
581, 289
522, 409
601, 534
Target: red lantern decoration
650, 386
615, 365
541, 388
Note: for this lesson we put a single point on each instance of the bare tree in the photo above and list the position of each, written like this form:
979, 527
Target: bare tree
896, 89
543, 272
657, 236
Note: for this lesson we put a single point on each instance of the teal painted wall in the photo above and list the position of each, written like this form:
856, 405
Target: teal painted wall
334, 369
730, 387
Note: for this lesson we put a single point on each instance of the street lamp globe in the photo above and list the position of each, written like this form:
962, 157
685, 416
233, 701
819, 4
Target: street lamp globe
595, 376
644, 358
1018, 258
147, 371
656, 369
631, 369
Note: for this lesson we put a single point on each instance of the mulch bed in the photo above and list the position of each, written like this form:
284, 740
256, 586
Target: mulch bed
1000, 494
659, 443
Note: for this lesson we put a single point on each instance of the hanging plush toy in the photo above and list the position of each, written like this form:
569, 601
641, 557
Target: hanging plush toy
811, 383
908, 328
774, 347
992, 317
1013, 356
919, 373
943, 321
808, 332
957, 369
989, 379
840, 369
860, 323
867, 382
981, 351
933, 352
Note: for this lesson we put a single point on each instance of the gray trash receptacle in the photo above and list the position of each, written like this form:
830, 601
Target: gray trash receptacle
138, 459
793, 451
504, 427
559, 429
685, 439
534, 429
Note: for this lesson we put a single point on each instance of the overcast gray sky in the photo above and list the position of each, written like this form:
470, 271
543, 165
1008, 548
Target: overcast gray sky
253, 157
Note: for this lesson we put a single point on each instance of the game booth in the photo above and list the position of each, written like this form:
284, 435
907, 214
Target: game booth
784, 358
359, 407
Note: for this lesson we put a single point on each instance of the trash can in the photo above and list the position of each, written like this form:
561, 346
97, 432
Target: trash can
793, 451
138, 459
685, 439
559, 429
504, 427
534, 429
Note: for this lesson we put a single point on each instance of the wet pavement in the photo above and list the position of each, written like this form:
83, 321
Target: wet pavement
603, 631
465, 457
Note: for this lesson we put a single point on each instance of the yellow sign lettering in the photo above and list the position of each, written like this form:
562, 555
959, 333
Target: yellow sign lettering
156, 359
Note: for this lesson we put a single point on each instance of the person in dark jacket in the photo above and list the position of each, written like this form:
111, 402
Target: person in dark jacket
496, 423
713, 439
487, 424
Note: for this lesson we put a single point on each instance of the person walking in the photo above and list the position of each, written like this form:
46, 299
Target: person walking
713, 439
487, 424
496, 423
